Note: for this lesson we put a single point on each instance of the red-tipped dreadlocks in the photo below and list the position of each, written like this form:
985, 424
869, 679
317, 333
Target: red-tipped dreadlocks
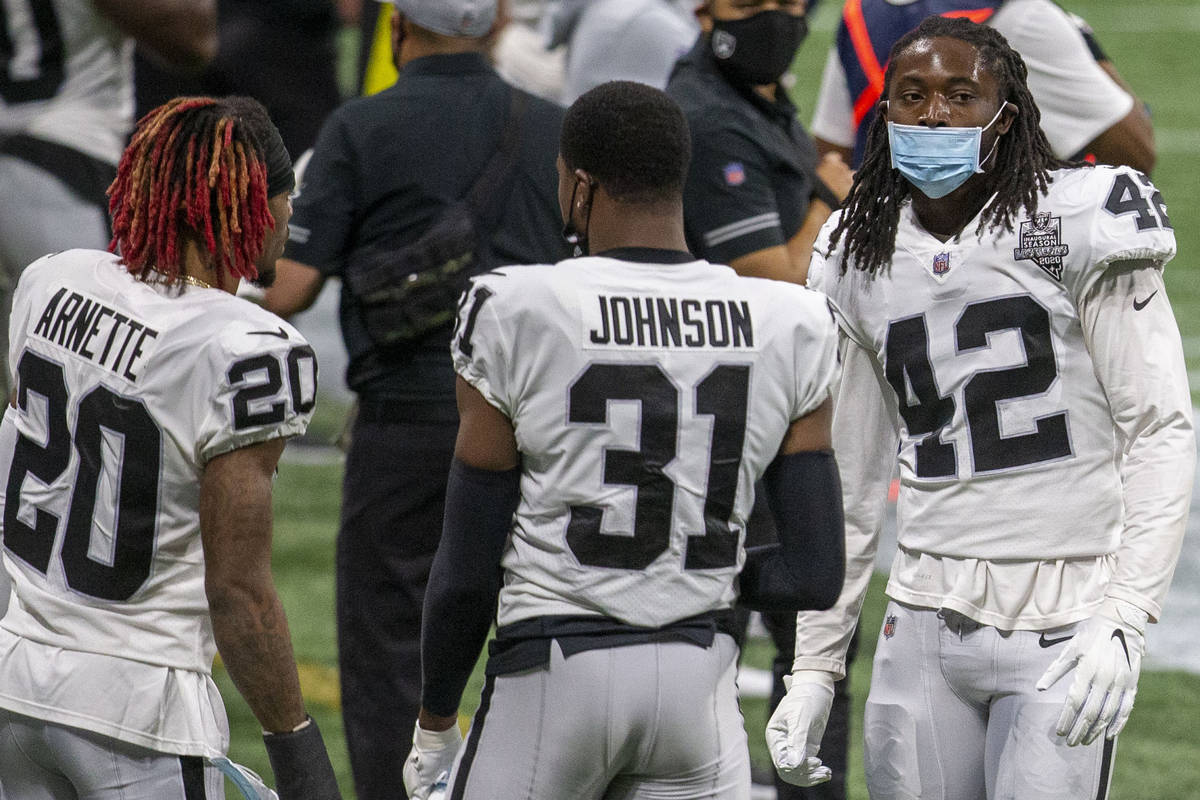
194, 168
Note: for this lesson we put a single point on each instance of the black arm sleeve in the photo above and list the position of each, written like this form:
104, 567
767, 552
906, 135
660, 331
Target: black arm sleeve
460, 600
806, 569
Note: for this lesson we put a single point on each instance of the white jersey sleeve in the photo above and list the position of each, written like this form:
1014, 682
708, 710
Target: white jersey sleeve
1138, 357
266, 387
479, 346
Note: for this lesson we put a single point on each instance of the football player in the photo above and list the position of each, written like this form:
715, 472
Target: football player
616, 411
137, 454
1007, 339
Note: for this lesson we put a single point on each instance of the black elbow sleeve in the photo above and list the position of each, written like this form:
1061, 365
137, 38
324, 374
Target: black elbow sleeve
808, 566
460, 599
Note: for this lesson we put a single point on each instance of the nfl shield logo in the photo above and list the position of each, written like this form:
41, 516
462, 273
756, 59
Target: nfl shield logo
889, 626
941, 263
735, 174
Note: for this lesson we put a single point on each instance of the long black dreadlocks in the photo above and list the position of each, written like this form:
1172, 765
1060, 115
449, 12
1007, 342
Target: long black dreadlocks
1019, 173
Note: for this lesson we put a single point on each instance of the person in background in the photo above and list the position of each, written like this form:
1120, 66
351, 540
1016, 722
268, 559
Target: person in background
383, 169
1087, 110
138, 455
1005, 334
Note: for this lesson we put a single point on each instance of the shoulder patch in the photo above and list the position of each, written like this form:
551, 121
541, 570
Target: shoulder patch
1040, 241
734, 173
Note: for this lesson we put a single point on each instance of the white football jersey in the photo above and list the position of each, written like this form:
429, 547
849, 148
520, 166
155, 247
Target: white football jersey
125, 391
646, 399
68, 77
982, 344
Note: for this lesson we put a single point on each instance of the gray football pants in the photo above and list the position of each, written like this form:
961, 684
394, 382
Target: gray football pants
39, 214
648, 721
953, 715
43, 761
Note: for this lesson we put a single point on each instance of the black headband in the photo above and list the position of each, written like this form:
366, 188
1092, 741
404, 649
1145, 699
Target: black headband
280, 177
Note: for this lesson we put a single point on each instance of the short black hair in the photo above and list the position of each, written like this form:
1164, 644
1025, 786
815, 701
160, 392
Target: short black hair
632, 138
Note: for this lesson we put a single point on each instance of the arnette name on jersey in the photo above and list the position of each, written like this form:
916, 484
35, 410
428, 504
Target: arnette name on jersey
666, 322
103, 335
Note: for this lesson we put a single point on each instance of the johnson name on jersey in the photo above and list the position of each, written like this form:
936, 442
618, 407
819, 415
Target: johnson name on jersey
646, 400
981, 340
125, 391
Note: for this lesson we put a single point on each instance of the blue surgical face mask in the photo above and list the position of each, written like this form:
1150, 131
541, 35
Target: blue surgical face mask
938, 160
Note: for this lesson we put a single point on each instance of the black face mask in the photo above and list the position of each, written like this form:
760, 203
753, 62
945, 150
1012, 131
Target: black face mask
576, 238
757, 50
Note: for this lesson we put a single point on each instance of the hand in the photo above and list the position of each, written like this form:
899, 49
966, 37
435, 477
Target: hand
795, 729
1106, 653
835, 173
431, 758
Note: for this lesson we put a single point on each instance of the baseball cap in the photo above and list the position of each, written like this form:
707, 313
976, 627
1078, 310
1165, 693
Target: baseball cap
471, 18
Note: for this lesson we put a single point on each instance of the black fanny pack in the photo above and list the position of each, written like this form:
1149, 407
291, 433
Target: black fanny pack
405, 293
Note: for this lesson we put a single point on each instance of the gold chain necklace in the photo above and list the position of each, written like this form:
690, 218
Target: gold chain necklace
191, 280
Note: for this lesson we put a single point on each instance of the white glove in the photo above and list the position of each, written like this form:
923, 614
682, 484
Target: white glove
1106, 653
430, 760
795, 729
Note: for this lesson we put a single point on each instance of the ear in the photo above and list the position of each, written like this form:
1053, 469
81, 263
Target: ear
881, 108
1007, 117
587, 187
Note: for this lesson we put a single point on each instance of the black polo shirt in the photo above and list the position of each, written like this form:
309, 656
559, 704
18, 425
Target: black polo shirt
753, 165
385, 166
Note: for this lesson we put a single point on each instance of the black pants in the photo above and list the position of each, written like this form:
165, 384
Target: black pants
393, 494
781, 626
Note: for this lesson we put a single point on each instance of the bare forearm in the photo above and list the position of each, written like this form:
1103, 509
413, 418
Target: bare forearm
248, 621
252, 636
183, 33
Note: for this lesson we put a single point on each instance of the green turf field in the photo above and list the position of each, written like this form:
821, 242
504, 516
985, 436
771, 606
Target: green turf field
1154, 45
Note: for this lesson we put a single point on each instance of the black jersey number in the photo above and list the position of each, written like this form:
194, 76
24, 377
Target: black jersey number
723, 395
107, 425
46, 72
910, 373
260, 399
1126, 198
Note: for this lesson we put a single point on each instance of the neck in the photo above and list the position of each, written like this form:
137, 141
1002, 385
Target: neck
416, 46
199, 268
614, 225
947, 216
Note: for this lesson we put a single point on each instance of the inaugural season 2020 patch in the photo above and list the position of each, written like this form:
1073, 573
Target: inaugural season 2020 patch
1041, 242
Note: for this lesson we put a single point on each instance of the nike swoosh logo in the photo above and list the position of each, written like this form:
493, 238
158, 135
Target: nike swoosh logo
1044, 642
279, 334
1119, 635
1138, 305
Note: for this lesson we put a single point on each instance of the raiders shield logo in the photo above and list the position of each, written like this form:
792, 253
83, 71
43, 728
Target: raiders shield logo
889, 626
1041, 242
723, 44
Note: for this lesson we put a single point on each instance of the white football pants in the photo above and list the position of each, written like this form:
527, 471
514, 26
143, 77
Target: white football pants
43, 761
657, 720
953, 715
